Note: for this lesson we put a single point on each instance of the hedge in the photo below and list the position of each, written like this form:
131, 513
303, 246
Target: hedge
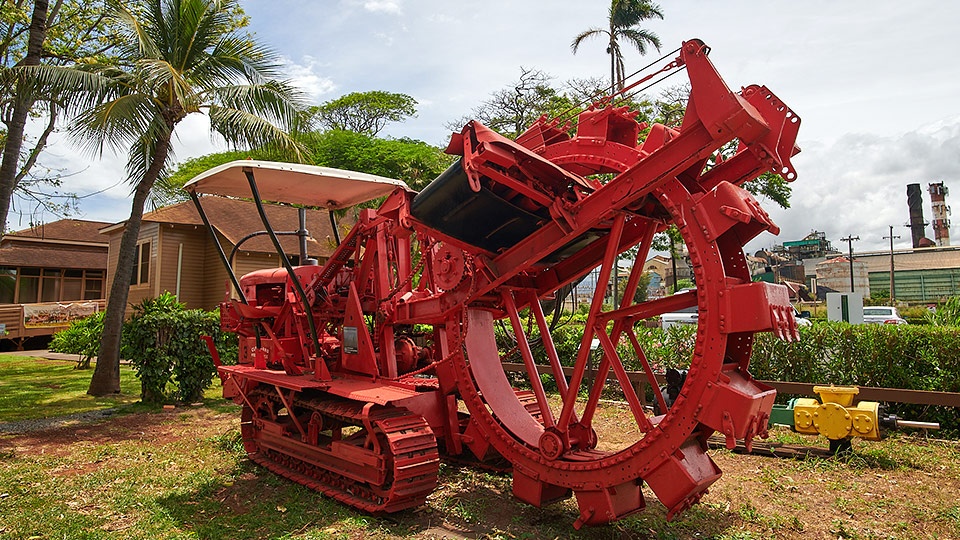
911, 357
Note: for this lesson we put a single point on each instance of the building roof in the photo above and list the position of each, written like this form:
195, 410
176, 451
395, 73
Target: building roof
235, 218
46, 256
67, 243
70, 230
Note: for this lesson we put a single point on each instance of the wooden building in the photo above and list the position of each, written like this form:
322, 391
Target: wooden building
49, 275
176, 254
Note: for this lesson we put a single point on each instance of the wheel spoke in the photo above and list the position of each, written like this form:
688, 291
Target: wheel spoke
613, 359
651, 378
550, 347
583, 355
532, 374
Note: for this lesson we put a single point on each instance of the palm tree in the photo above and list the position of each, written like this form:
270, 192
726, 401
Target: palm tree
179, 57
624, 17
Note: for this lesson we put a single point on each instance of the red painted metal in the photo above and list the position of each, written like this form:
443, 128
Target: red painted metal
406, 307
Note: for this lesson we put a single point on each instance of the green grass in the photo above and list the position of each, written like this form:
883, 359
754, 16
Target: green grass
39, 388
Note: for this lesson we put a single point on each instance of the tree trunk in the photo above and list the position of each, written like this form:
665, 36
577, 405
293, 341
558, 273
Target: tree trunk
613, 73
106, 376
22, 103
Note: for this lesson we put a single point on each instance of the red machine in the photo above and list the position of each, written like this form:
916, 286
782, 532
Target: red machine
358, 376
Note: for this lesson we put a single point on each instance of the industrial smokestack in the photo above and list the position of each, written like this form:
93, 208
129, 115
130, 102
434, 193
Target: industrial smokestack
915, 204
941, 224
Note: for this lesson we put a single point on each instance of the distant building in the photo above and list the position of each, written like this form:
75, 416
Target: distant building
813, 246
663, 268
920, 275
834, 274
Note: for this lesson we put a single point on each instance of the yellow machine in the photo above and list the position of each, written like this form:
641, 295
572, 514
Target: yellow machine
837, 418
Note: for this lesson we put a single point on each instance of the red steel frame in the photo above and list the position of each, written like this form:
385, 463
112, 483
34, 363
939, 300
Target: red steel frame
394, 270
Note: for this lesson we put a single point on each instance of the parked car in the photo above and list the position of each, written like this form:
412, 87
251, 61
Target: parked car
882, 315
683, 316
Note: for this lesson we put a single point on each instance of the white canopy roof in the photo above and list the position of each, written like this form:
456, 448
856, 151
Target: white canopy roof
294, 183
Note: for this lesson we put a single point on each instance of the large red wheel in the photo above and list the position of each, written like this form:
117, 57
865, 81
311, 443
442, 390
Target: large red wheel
563, 451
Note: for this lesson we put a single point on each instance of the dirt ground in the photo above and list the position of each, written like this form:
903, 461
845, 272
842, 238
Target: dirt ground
899, 488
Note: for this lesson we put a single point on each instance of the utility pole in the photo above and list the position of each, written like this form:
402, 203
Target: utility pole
673, 262
849, 240
891, 237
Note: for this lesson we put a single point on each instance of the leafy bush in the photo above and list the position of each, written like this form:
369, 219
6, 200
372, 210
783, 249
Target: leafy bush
163, 342
81, 337
905, 356
947, 314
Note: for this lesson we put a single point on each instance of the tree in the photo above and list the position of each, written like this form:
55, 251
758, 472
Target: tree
365, 112
512, 109
415, 162
53, 34
179, 57
624, 18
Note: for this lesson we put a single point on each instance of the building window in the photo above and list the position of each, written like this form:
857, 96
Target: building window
28, 291
72, 287
93, 285
20, 285
8, 285
50, 286
141, 265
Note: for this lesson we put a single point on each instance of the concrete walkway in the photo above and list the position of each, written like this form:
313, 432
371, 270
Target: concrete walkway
46, 353
49, 355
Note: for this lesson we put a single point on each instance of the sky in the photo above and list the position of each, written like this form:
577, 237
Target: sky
875, 83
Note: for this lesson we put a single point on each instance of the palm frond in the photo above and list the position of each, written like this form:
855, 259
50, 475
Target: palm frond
639, 38
277, 101
129, 22
182, 56
243, 129
238, 56
587, 34
118, 123
144, 151
630, 13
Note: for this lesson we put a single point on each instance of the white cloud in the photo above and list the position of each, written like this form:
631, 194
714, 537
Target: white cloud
857, 185
383, 6
304, 75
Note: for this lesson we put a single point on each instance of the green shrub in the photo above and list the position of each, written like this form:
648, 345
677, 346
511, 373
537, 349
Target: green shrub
163, 342
81, 337
891, 356
946, 314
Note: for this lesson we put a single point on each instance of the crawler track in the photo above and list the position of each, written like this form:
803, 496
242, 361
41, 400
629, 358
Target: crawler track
402, 447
